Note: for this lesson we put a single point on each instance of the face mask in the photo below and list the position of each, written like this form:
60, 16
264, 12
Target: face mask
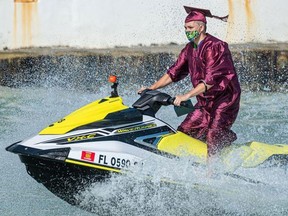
192, 35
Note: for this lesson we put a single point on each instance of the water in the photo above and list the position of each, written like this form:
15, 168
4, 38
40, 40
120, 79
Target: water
24, 112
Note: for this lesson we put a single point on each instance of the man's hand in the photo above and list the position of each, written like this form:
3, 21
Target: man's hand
199, 89
142, 89
180, 98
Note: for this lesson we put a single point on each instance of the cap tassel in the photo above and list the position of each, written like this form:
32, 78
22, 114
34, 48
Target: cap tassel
224, 19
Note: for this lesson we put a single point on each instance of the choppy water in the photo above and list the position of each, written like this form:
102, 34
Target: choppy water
24, 112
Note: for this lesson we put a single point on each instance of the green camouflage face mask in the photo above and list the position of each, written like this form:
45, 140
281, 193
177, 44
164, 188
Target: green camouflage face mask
192, 35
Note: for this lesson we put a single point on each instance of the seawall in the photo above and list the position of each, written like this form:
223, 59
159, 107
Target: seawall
259, 66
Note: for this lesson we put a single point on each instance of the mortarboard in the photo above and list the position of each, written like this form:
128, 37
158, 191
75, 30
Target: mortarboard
198, 14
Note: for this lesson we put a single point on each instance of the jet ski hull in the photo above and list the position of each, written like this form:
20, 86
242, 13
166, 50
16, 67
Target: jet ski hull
65, 180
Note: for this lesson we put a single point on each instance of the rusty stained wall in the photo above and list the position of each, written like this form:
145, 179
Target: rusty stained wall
25, 22
241, 21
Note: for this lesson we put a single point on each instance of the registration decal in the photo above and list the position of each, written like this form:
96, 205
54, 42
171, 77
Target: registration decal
114, 161
88, 156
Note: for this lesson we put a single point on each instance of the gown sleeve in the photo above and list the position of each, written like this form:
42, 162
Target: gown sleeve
219, 66
179, 70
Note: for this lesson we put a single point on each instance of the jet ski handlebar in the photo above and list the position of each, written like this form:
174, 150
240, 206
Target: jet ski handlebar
183, 103
151, 101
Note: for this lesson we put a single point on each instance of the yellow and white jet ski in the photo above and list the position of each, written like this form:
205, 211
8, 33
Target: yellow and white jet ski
107, 137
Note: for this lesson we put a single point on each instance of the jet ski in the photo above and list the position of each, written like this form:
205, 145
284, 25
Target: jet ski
107, 137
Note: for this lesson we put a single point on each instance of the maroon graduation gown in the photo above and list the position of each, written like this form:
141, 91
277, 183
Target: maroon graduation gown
210, 62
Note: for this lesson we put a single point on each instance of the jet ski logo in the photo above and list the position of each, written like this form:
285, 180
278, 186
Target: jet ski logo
142, 127
88, 156
79, 138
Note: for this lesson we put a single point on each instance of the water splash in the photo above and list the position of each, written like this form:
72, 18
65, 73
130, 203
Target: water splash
177, 188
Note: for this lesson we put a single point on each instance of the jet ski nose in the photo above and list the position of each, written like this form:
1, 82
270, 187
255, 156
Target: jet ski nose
11, 147
56, 154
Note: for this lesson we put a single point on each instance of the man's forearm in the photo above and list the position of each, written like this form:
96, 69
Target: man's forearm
162, 82
200, 88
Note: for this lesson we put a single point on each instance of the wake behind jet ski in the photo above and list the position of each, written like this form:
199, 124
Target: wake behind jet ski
106, 137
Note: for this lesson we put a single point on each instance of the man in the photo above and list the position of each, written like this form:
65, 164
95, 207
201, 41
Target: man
208, 62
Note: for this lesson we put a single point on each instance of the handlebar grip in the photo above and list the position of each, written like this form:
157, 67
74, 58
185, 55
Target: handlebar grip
144, 91
171, 100
187, 103
184, 103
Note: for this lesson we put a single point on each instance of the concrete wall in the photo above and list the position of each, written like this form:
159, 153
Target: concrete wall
263, 69
109, 23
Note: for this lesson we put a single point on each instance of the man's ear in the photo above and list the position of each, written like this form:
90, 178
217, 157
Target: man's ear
202, 28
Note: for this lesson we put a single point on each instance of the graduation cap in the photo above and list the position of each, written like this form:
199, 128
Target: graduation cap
198, 14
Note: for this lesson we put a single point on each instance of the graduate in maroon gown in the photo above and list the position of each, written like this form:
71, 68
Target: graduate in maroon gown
208, 62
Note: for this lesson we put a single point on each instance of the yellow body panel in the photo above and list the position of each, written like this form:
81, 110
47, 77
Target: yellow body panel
181, 144
250, 155
92, 112
261, 152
